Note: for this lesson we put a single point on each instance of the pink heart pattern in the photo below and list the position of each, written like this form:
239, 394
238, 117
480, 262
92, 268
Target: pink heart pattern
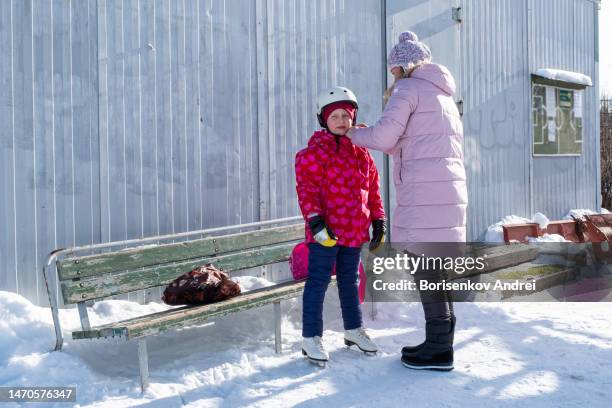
340, 182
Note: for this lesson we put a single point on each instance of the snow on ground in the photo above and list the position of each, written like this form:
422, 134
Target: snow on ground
506, 355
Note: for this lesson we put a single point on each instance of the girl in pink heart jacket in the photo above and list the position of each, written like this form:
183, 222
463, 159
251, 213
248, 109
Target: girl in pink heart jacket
338, 192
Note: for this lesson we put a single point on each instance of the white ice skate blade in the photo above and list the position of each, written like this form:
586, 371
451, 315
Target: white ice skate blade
349, 343
429, 367
320, 363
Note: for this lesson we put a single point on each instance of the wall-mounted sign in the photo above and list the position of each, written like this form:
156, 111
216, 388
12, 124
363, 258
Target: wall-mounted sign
557, 119
565, 98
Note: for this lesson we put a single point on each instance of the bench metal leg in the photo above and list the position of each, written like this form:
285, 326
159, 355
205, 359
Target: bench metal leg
84, 316
143, 362
278, 341
59, 339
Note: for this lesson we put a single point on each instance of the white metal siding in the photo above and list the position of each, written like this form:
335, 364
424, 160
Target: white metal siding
123, 119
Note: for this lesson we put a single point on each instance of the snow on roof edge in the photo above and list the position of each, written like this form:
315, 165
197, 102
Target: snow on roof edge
564, 76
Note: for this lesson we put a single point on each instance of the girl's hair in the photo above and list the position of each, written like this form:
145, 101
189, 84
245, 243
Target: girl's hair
406, 72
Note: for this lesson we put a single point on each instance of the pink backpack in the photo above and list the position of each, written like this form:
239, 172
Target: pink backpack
298, 262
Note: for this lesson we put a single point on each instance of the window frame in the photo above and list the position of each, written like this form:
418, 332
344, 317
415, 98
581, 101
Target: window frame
557, 86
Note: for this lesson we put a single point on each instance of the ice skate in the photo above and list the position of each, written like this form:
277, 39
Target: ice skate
358, 337
312, 348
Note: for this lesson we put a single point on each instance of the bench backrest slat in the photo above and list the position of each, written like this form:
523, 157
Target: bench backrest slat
114, 283
93, 265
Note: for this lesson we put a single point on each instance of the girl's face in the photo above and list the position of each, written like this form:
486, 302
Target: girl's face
397, 72
339, 121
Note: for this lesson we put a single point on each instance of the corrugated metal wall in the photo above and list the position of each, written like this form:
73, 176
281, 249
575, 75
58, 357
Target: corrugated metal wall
49, 150
504, 42
178, 116
123, 119
563, 37
310, 45
496, 123
433, 22
492, 52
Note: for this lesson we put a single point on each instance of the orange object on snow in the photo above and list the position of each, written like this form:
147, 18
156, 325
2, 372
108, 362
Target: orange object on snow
594, 228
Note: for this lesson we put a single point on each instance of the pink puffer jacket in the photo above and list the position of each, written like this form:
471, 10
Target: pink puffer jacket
421, 128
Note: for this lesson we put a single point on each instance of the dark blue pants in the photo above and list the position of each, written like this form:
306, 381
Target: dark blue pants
320, 263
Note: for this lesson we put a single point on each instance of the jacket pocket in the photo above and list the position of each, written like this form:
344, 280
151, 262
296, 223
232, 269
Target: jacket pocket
397, 166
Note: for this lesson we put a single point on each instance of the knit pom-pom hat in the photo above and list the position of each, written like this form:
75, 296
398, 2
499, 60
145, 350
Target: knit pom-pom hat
409, 51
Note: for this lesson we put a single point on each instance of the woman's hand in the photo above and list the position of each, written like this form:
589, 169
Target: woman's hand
349, 132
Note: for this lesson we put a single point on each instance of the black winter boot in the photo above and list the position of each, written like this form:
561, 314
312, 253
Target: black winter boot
425, 360
437, 351
452, 336
414, 349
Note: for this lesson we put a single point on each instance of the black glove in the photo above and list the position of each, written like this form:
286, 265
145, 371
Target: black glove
378, 234
321, 232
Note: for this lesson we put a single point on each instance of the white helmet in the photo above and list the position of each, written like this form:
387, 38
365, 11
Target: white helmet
335, 94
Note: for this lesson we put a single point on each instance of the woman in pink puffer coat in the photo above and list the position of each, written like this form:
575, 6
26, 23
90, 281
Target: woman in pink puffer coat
421, 128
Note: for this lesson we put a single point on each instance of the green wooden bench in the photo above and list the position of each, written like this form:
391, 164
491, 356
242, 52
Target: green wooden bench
90, 277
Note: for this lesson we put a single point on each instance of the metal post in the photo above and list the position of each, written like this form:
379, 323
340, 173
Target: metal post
59, 339
278, 341
386, 163
143, 362
83, 316
373, 307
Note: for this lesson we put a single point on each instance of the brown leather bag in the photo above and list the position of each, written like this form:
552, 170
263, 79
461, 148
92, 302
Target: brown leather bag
203, 285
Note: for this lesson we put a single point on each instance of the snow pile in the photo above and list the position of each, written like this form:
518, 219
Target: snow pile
510, 355
541, 219
578, 213
248, 283
495, 233
106, 311
548, 238
26, 336
565, 76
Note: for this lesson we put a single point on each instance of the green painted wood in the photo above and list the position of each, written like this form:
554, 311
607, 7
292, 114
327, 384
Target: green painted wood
510, 255
498, 257
110, 332
192, 315
95, 287
80, 267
